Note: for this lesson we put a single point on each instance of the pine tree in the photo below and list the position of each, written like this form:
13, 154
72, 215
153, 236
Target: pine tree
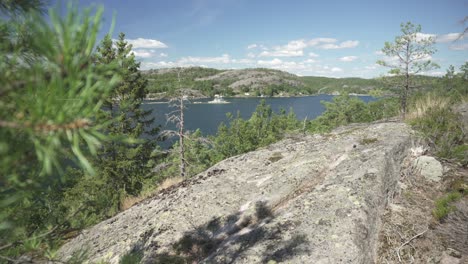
124, 165
412, 55
50, 94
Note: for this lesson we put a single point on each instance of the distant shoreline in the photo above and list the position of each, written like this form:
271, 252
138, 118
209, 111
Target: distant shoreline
248, 97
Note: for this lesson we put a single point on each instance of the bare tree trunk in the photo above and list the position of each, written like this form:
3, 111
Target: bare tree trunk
181, 130
181, 137
404, 97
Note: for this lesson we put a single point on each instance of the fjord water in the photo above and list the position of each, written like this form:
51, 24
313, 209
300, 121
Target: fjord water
207, 117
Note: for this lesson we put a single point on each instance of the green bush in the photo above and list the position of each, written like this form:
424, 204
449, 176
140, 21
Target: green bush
443, 205
345, 109
133, 257
261, 129
443, 128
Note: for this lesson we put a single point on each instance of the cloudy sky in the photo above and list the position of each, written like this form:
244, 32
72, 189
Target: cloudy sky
309, 37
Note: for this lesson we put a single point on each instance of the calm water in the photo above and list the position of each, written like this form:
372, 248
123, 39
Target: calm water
207, 117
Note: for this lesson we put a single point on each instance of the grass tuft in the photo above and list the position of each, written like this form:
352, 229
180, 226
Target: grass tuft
444, 205
130, 201
422, 105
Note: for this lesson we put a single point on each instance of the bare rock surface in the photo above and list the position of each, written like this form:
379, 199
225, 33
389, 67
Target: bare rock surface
254, 78
429, 167
306, 199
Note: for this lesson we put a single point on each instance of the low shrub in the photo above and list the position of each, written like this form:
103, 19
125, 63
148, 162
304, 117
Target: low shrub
346, 109
443, 129
444, 205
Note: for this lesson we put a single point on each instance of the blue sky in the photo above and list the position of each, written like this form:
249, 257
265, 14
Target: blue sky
315, 38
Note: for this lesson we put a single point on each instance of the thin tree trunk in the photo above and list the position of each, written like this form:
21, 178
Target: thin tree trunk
407, 83
181, 138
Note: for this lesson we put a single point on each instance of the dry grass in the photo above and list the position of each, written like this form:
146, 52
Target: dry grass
422, 105
130, 201
169, 182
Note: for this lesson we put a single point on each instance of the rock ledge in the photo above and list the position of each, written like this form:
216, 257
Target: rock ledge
311, 199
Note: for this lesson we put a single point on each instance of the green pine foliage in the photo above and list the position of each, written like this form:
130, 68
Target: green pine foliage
413, 55
50, 96
122, 166
126, 160
346, 109
454, 84
261, 129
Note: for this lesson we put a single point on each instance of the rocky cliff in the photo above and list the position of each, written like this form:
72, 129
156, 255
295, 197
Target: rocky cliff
306, 199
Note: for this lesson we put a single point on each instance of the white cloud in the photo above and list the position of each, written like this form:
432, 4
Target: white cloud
141, 43
442, 38
303, 68
349, 44
272, 62
251, 55
422, 57
294, 48
448, 37
423, 36
282, 53
342, 45
242, 61
463, 46
162, 54
433, 73
295, 45
318, 41
371, 67
256, 46
329, 46
348, 58
391, 60
160, 64
252, 46
314, 55
225, 58
143, 53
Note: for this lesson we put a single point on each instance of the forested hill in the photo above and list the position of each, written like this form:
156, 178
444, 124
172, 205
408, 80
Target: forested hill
250, 82
206, 82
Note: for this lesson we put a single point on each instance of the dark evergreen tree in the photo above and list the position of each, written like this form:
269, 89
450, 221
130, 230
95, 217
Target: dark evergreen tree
124, 165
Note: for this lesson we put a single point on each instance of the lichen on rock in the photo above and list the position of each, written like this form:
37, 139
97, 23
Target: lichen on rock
307, 199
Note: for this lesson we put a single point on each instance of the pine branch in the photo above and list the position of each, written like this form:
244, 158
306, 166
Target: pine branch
77, 124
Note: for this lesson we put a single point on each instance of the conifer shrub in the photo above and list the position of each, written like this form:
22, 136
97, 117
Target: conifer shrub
444, 205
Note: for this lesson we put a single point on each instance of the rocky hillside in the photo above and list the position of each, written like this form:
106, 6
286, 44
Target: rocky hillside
254, 79
306, 199
251, 82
